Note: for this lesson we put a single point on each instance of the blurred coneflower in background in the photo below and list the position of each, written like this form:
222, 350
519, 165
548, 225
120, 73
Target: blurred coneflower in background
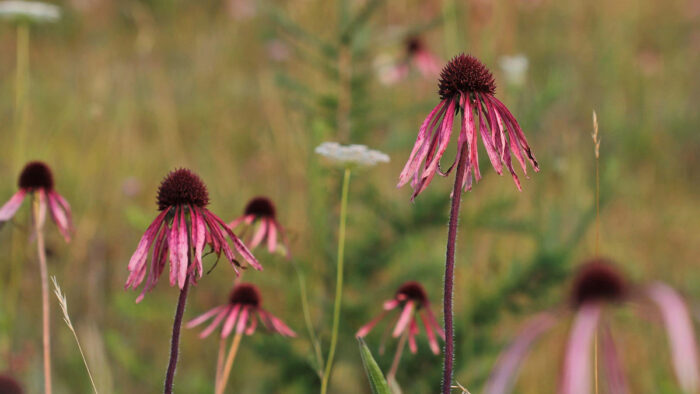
9, 385
416, 54
243, 310
260, 225
597, 286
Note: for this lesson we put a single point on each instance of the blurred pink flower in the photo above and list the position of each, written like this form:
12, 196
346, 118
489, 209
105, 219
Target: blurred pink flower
466, 86
260, 216
36, 179
244, 306
597, 285
184, 225
413, 300
417, 55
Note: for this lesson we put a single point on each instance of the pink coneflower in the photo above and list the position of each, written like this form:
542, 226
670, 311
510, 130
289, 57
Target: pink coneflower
182, 229
418, 55
413, 302
36, 179
598, 286
261, 212
467, 87
184, 225
245, 307
8, 385
242, 311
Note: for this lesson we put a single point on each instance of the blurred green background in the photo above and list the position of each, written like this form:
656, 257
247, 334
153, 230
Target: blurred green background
121, 92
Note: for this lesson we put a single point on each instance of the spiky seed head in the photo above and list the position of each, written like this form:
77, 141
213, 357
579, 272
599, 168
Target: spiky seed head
36, 175
8, 385
245, 294
465, 74
596, 281
182, 187
261, 207
413, 291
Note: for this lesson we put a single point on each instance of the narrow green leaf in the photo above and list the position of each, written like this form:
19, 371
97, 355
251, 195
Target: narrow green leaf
374, 374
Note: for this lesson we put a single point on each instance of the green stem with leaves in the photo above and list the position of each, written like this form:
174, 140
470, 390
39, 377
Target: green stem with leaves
339, 281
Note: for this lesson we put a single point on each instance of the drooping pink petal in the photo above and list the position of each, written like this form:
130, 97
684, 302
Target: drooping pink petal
215, 323
204, 316
522, 141
391, 304
404, 319
680, 333
502, 377
41, 216
199, 237
158, 259
488, 140
237, 221
617, 383
59, 216
415, 159
12, 205
433, 321
471, 136
443, 140
259, 234
427, 63
218, 237
240, 247
230, 321
183, 252
173, 247
271, 235
432, 340
364, 330
577, 359
412, 332
141, 253
279, 325
242, 320
252, 325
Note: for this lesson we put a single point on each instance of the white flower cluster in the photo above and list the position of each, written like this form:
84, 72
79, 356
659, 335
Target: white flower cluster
351, 154
515, 68
33, 11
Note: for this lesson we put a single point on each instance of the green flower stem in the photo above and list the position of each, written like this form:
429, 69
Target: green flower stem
21, 74
307, 320
339, 280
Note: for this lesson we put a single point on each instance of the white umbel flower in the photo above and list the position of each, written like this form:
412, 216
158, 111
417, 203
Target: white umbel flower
514, 68
32, 11
351, 154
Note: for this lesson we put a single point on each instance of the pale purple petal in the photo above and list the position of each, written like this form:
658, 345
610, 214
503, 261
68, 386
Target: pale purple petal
242, 320
412, 331
12, 205
141, 253
173, 247
211, 327
271, 235
59, 216
183, 250
577, 359
502, 377
364, 330
432, 340
230, 321
680, 333
613, 369
259, 234
415, 159
443, 139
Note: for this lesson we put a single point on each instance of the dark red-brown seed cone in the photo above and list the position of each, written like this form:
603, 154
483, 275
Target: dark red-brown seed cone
182, 187
597, 281
465, 74
413, 291
245, 294
260, 207
36, 175
9, 385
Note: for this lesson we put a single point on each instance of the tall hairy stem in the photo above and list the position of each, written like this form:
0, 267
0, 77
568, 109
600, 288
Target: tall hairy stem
175, 342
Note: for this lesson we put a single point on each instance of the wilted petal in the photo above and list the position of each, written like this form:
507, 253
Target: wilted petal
501, 379
432, 340
488, 140
615, 375
364, 330
680, 333
240, 247
183, 250
252, 326
577, 359
59, 216
12, 205
416, 158
141, 253
443, 139
173, 247
279, 325
412, 331
242, 320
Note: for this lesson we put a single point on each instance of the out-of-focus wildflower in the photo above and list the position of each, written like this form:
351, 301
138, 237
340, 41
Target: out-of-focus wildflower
351, 154
30, 11
36, 180
245, 307
183, 225
466, 87
261, 212
416, 54
413, 302
277, 50
241, 10
8, 385
514, 68
598, 286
